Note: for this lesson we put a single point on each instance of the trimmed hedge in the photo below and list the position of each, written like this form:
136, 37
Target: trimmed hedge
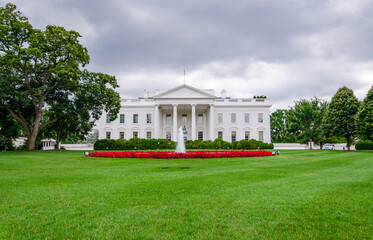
133, 144
364, 145
153, 144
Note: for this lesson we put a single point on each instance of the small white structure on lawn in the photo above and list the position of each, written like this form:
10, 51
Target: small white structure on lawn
48, 143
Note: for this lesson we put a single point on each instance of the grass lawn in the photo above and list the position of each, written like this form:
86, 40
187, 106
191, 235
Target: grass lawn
296, 195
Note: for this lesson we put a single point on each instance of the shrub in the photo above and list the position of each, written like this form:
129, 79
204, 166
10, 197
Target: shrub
21, 148
120, 144
227, 145
252, 144
104, 144
133, 144
152, 144
364, 145
6, 143
218, 143
209, 145
239, 145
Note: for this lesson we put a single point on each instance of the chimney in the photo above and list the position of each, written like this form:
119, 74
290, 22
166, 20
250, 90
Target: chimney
223, 94
145, 94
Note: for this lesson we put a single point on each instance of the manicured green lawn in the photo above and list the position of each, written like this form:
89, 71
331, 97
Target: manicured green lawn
296, 195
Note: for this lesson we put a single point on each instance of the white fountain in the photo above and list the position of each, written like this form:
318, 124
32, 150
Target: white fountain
180, 146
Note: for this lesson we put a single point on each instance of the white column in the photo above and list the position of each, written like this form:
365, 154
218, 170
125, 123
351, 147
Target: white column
193, 122
174, 117
212, 127
156, 121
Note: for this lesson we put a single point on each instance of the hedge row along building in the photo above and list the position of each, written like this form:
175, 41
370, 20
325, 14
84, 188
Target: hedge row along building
201, 114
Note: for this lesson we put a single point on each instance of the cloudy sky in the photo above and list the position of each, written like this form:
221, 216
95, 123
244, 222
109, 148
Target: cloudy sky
286, 50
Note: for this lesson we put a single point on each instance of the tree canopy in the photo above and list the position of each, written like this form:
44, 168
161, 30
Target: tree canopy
305, 118
339, 119
43, 71
280, 127
364, 117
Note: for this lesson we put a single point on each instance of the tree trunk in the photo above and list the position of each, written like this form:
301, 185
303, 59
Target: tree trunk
31, 139
310, 144
348, 143
57, 146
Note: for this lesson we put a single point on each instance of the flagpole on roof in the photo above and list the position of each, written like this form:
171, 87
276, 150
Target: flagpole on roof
184, 74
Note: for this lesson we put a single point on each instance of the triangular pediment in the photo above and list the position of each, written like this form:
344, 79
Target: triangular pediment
184, 91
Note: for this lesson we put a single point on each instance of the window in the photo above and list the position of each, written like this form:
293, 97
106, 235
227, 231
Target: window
233, 118
247, 135
220, 134
121, 135
233, 136
121, 118
108, 135
200, 135
168, 135
148, 118
148, 135
135, 134
108, 118
247, 117
220, 118
135, 118
260, 133
260, 117
200, 118
168, 118
184, 118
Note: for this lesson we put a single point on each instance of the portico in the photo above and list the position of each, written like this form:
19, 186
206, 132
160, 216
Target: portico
184, 115
185, 101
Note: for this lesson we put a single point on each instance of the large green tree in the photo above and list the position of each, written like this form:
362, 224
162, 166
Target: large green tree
280, 127
339, 120
364, 117
305, 119
39, 68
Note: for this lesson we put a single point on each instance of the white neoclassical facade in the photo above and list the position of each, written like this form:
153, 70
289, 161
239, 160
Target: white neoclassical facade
199, 112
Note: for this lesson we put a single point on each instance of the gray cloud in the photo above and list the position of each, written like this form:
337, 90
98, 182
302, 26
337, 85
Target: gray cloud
286, 50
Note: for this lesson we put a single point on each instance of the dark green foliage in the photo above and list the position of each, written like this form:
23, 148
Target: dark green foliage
133, 144
104, 144
339, 119
364, 117
218, 143
364, 145
43, 82
305, 120
227, 145
6, 143
280, 129
252, 144
154, 144
119, 144
21, 148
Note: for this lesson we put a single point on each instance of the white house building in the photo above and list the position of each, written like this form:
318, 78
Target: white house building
199, 112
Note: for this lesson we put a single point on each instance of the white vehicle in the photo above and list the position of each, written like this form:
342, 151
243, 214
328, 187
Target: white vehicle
329, 146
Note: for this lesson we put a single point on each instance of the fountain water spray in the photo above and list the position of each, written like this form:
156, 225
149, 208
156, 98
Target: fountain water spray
180, 147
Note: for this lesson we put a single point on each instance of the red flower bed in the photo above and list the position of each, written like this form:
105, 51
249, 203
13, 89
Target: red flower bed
189, 154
